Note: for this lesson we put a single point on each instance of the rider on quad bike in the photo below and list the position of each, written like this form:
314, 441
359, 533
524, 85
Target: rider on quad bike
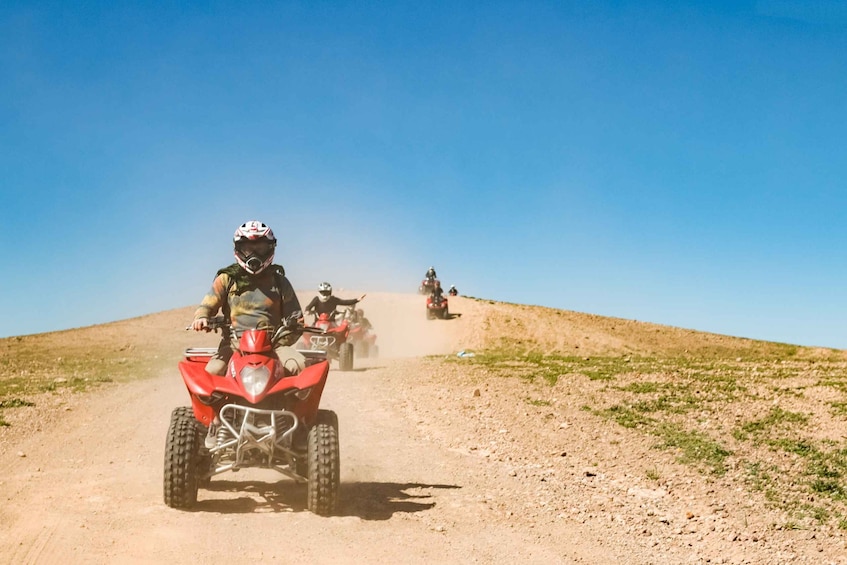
428, 283
357, 318
256, 402
436, 303
251, 293
326, 303
334, 331
437, 293
361, 335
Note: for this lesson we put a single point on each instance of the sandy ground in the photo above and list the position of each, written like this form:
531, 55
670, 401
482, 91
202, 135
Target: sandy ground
438, 466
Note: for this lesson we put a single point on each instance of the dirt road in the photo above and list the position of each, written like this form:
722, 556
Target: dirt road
84, 485
91, 490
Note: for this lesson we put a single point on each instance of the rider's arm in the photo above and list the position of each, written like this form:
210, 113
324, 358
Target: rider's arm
312, 305
214, 299
346, 301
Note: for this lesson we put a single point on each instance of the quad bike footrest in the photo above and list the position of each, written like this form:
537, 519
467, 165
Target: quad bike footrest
200, 351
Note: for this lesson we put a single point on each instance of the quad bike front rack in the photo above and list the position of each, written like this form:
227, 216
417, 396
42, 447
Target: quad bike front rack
240, 433
322, 341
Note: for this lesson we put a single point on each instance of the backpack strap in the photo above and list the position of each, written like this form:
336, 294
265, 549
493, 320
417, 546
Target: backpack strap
279, 279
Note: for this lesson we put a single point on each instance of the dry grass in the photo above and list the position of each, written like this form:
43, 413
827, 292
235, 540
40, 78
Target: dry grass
83, 358
763, 416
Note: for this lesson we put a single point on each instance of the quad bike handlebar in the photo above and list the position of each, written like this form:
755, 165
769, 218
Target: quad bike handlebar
288, 327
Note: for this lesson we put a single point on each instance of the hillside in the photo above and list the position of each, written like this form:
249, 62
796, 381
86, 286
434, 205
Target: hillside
568, 438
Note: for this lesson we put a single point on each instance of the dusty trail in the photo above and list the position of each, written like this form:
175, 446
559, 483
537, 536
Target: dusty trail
438, 465
91, 490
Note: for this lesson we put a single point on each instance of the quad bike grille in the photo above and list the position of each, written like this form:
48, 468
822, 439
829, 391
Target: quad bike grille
321, 341
251, 437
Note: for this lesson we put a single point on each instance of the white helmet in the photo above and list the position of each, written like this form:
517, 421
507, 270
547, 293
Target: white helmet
254, 244
324, 291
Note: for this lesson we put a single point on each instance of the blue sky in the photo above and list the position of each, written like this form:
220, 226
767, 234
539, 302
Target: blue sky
674, 162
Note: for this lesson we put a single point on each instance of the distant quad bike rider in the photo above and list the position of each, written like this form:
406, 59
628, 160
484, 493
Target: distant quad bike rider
452, 290
252, 293
437, 293
360, 320
430, 274
326, 303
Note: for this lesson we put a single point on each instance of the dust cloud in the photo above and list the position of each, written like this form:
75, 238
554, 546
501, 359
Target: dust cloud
400, 323
360, 263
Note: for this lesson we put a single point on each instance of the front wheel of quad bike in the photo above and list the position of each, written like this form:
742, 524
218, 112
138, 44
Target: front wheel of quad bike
345, 357
182, 459
324, 464
445, 315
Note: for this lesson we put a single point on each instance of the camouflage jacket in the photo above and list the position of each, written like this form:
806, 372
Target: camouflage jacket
255, 301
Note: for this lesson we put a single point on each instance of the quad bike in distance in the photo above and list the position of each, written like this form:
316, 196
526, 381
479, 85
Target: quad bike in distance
256, 416
437, 308
361, 335
330, 336
426, 286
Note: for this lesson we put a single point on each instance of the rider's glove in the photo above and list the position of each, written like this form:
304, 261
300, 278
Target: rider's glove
294, 320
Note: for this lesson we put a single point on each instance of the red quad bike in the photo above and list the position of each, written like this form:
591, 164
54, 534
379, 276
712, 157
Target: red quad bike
331, 337
436, 308
426, 286
258, 416
361, 337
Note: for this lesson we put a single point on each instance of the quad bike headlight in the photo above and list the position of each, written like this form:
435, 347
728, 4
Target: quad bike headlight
255, 379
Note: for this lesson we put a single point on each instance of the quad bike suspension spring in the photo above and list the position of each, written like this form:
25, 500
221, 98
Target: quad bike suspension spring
223, 435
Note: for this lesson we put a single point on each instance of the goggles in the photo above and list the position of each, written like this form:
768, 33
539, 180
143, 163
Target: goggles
261, 247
